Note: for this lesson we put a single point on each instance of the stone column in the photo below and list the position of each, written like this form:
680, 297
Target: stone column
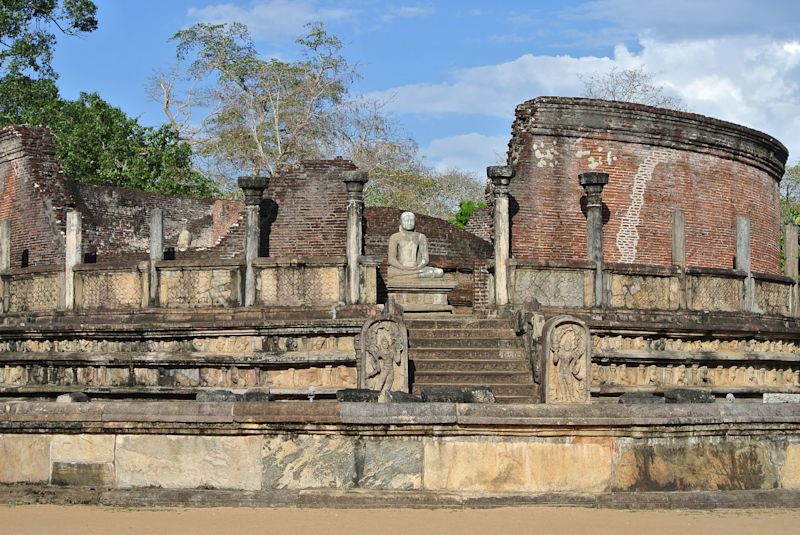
679, 252
354, 181
156, 251
5, 262
790, 263
743, 261
501, 176
253, 187
72, 256
593, 184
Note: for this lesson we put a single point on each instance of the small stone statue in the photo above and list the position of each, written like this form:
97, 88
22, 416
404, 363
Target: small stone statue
184, 239
408, 253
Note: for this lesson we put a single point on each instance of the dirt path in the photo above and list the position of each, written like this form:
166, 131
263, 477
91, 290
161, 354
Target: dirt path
79, 520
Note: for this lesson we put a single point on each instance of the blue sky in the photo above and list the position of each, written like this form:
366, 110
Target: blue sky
451, 73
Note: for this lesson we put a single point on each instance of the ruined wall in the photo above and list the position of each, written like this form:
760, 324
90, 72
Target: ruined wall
305, 211
34, 195
658, 161
117, 220
481, 224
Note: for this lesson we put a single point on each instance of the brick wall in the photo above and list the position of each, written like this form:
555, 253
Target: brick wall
35, 195
481, 224
658, 161
117, 220
305, 211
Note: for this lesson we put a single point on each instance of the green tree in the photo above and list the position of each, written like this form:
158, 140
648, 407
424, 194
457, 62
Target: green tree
465, 211
98, 143
28, 28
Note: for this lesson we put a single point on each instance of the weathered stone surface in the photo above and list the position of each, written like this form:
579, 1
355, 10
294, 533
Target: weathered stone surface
83, 474
24, 458
686, 395
446, 395
360, 395
309, 461
82, 448
189, 461
502, 465
72, 397
257, 395
790, 472
480, 394
217, 395
644, 292
391, 463
781, 398
640, 398
677, 465
401, 397
550, 287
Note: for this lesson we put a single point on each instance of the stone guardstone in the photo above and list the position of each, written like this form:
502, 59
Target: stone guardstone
357, 395
687, 395
640, 398
422, 296
781, 398
566, 360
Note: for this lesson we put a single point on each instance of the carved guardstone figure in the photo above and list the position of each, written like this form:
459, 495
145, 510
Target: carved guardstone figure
408, 252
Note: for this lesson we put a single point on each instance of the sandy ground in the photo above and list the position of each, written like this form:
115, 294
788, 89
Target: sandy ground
81, 520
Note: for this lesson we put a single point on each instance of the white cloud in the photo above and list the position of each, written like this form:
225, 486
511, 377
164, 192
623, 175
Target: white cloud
406, 12
471, 151
271, 20
752, 80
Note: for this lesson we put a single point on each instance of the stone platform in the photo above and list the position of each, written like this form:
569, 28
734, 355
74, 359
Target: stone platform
422, 296
428, 450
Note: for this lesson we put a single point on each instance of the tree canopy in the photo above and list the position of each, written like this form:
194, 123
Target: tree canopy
245, 114
634, 84
28, 32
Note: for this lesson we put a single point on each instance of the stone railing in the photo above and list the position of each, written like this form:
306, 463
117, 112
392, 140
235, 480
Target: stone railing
644, 287
315, 282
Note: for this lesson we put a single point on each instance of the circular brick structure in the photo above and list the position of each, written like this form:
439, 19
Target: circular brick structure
658, 161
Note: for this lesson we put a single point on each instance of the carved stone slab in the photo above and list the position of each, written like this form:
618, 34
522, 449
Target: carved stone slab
383, 353
567, 352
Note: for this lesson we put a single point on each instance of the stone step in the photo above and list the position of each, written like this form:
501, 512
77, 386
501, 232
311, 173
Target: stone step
500, 390
486, 353
468, 377
417, 334
476, 365
458, 323
508, 400
467, 343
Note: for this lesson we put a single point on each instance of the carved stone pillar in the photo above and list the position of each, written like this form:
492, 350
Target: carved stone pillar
253, 188
790, 263
5, 262
593, 184
72, 256
501, 176
567, 360
354, 181
156, 251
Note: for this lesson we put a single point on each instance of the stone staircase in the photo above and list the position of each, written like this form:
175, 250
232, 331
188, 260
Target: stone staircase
469, 351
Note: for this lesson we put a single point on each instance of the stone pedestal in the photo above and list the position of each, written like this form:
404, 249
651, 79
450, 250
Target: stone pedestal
422, 296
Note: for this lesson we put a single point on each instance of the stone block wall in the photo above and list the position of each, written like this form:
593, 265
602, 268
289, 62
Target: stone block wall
278, 447
658, 161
